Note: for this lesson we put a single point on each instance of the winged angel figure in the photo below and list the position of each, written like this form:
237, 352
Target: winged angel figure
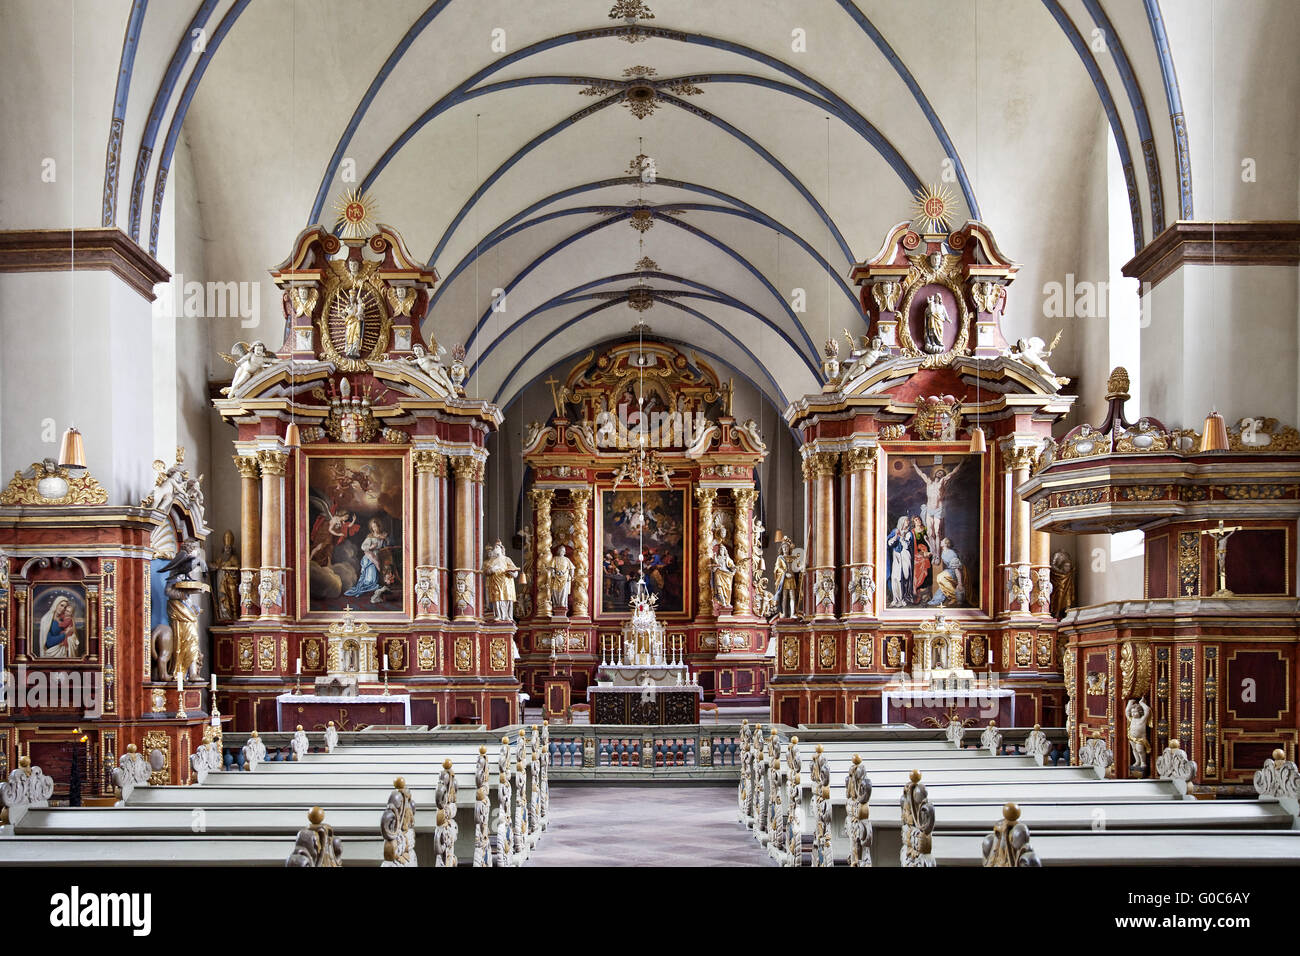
248, 359
1034, 353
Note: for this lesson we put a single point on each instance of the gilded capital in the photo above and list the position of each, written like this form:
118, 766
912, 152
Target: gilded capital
467, 468
1014, 458
820, 464
581, 496
860, 459
273, 462
705, 496
247, 465
745, 498
542, 498
429, 463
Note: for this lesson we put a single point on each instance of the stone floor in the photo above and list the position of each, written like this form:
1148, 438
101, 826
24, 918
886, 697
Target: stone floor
646, 826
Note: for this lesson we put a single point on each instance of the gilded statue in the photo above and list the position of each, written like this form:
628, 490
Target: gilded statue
723, 572
354, 315
500, 574
1062, 584
226, 581
788, 572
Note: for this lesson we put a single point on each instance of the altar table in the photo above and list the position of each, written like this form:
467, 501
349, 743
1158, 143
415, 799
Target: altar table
922, 707
677, 704
315, 711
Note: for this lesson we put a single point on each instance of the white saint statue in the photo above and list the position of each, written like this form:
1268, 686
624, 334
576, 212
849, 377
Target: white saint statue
561, 579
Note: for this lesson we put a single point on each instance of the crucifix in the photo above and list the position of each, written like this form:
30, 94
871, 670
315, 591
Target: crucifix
1221, 536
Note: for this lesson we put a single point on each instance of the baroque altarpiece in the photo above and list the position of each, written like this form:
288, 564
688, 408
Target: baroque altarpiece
921, 559
361, 540
643, 457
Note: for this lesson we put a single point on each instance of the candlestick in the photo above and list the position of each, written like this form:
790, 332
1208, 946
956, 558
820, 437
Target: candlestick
299, 665
180, 695
385, 662
214, 683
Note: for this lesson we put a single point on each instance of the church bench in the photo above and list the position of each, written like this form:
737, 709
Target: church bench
1056, 817
198, 823
1172, 847
101, 849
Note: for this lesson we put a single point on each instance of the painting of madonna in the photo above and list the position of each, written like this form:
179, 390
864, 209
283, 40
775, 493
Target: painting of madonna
59, 623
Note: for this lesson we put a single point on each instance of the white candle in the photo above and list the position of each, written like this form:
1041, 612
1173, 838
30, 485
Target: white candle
300, 665
214, 683
385, 662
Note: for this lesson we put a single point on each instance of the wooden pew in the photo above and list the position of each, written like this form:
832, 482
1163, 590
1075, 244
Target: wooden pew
1148, 847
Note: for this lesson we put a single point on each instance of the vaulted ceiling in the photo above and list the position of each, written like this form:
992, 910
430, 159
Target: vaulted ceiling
502, 140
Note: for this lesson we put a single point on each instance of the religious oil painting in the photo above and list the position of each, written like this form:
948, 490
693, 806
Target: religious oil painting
932, 538
58, 628
354, 534
653, 524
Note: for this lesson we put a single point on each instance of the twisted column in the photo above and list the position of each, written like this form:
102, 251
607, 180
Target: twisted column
704, 498
745, 498
542, 498
581, 558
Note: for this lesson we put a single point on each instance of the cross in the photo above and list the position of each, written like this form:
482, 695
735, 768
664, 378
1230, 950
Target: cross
555, 399
1221, 536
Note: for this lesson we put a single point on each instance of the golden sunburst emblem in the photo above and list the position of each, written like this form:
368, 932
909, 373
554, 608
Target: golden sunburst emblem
933, 208
356, 213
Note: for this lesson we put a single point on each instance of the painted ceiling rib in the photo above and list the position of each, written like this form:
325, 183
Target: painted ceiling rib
1112, 114
1156, 20
596, 227
578, 294
122, 93
1138, 103
950, 150
895, 160
162, 96
498, 236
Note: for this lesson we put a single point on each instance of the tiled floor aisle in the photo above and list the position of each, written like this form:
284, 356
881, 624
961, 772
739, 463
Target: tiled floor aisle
646, 826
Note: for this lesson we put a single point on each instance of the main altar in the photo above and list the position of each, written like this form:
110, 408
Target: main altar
642, 476
924, 594
360, 462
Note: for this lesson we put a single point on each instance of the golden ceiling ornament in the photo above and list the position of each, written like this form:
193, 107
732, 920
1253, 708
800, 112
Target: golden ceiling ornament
642, 167
356, 213
52, 484
640, 299
630, 11
933, 208
641, 99
640, 72
354, 323
642, 220
645, 264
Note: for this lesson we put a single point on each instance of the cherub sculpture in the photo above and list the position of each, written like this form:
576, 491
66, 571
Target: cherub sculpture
248, 361
430, 363
1033, 353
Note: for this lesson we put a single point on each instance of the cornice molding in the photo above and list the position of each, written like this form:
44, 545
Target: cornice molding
61, 250
1195, 242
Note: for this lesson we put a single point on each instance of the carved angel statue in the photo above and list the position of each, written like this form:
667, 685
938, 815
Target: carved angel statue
986, 295
750, 428
430, 363
303, 299
533, 433
248, 361
1033, 353
168, 484
862, 588
886, 294
1138, 712
824, 590
865, 354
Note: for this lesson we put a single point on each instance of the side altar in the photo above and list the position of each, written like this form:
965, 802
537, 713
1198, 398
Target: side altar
361, 467
643, 474
911, 454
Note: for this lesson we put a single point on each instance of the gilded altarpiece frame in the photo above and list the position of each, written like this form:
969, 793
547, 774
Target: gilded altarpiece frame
667, 511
